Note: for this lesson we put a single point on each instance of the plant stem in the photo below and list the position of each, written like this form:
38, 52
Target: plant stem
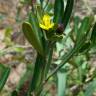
50, 52
48, 63
38, 76
67, 57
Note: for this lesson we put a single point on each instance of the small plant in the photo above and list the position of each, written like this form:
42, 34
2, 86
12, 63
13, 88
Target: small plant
48, 30
43, 31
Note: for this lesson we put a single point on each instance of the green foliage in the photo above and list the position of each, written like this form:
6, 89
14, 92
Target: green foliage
85, 47
93, 35
90, 88
41, 1
62, 78
38, 76
68, 12
32, 36
4, 73
82, 29
58, 11
72, 48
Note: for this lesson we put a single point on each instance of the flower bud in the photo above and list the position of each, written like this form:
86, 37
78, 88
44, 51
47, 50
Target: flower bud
60, 29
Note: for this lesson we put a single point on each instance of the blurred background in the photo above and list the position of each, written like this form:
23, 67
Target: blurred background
15, 51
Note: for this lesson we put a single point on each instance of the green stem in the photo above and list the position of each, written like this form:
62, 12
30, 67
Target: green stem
67, 57
48, 63
38, 76
49, 60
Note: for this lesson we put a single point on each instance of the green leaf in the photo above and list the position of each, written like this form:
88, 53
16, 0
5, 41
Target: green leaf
76, 24
67, 57
58, 11
49, 52
39, 12
32, 36
49, 7
90, 89
55, 37
4, 73
8, 32
84, 28
62, 77
38, 76
93, 35
41, 1
68, 11
35, 24
85, 47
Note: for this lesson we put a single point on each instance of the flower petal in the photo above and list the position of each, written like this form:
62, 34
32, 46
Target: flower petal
43, 26
51, 25
46, 22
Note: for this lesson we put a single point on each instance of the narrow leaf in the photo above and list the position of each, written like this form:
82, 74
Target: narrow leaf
39, 13
84, 28
41, 1
32, 36
62, 77
38, 76
85, 47
68, 12
93, 35
76, 24
58, 11
4, 73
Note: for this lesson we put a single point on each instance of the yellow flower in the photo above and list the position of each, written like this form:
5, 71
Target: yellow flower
46, 22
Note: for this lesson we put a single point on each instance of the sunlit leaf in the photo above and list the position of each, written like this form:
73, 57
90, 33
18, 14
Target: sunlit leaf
62, 77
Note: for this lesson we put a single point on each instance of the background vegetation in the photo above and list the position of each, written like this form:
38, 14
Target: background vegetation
17, 57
